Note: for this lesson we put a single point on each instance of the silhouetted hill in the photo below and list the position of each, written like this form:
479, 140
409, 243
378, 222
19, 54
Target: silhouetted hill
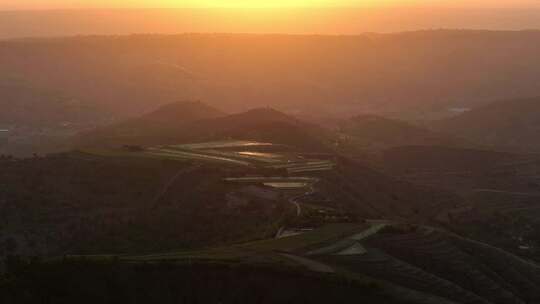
507, 124
196, 122
266, 125
180, 112
153, 127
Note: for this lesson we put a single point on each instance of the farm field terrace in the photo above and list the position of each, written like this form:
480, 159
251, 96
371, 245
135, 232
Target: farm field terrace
233, 152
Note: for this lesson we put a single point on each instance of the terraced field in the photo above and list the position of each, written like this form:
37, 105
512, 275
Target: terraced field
276, 182
184, 155
236, 153
509, 220
379, 265
461, 261
265, 248
302, 166
222, 145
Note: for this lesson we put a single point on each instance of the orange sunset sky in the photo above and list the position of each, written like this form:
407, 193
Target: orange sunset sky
78, 4
29, 18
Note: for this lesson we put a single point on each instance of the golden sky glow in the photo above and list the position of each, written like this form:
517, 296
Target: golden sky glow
249, 3
262, 16
77, 4
43, 4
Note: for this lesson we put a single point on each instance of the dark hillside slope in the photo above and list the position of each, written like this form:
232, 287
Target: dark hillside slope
483, 270
463, 170
80, 203
376, 132
510, 124
444, 159
368, 194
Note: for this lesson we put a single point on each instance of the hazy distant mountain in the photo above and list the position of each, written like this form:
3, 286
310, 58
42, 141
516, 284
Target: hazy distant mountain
507, 124
179, 112
418, 74
330, 20
25, 106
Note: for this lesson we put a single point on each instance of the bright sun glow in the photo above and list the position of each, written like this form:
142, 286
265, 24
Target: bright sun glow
252, 3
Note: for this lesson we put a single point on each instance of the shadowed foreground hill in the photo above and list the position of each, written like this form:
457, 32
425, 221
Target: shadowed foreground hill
509, 124
372, 262
79, 203
170, 283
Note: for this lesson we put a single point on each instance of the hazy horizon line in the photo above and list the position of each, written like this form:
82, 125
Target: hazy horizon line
335, 21
410, 7
125, 35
